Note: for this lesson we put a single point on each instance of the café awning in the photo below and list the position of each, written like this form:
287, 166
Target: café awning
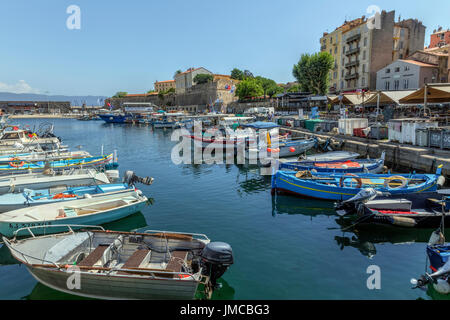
436, 93
354, 99
388, 97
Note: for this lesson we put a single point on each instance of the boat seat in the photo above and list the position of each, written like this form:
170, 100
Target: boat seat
94, 256
176, 261
135, 260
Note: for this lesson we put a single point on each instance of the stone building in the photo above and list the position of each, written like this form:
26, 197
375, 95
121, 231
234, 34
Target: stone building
185, 80
439, 58
409, 37
164, 85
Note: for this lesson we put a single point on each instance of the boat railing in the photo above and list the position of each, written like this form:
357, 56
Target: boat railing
199, 235
24, 255
69, 228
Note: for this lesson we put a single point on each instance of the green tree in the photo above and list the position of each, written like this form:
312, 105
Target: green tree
273, 90
177, 73
120, 94
151, 91
266, 84
237, 74
312, 72
203, 78
249, 88
295, 88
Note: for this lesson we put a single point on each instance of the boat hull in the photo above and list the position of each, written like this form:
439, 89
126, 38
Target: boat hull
374, 166
7, 228
117, 287
311, 189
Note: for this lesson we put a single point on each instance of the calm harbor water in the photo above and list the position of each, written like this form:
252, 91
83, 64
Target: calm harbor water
284, 248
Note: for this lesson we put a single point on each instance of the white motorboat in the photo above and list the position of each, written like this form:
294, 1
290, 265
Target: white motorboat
90, 210
52, 179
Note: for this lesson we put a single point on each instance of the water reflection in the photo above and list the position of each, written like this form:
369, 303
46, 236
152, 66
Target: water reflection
290, 205
365, 237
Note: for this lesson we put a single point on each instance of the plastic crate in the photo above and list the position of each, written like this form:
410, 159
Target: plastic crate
358, 132
422, 137
435, 137
378, 132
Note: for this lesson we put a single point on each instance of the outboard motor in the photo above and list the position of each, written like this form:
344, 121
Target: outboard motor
130, 178
216, 258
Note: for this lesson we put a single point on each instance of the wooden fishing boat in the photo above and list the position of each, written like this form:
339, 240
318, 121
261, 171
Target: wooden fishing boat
349, 166
414, 210
285, 148
438, 253
18, 166
51, 179
91, 210
340, 187
43, 156
124, 265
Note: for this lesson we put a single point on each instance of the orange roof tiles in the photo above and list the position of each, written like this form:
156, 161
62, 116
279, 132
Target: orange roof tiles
422, 64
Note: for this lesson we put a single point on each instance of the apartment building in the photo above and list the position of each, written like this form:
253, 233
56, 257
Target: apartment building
365, 46
409, 37
439, 38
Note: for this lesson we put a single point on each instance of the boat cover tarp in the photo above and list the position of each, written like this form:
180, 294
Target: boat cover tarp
262, 125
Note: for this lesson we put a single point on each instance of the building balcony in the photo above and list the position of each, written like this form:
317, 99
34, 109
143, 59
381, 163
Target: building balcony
324, 47
352, 51
356, 37
352, 64
349, 76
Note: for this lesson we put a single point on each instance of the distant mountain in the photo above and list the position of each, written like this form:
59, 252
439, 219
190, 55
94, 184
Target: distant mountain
74, 100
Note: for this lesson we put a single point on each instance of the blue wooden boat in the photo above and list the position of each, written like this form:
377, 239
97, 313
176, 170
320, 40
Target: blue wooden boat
438, 253
38, 166
339, 187
31, 198
337, 166
94, 210
114, 118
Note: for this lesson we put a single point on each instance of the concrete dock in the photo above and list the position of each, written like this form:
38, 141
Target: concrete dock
398, 156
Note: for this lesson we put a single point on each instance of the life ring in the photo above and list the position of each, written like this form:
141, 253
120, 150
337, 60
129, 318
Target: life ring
353, 176
62, 196
387, 182
15, 164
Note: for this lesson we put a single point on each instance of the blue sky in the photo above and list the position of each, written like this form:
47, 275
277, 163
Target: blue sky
127, 45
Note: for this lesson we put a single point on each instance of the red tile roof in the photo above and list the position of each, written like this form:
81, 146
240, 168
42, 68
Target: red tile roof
422, 64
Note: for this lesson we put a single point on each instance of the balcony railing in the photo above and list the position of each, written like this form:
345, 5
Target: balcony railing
352, 51
356, 37
350, 76
352, 64
324, 47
